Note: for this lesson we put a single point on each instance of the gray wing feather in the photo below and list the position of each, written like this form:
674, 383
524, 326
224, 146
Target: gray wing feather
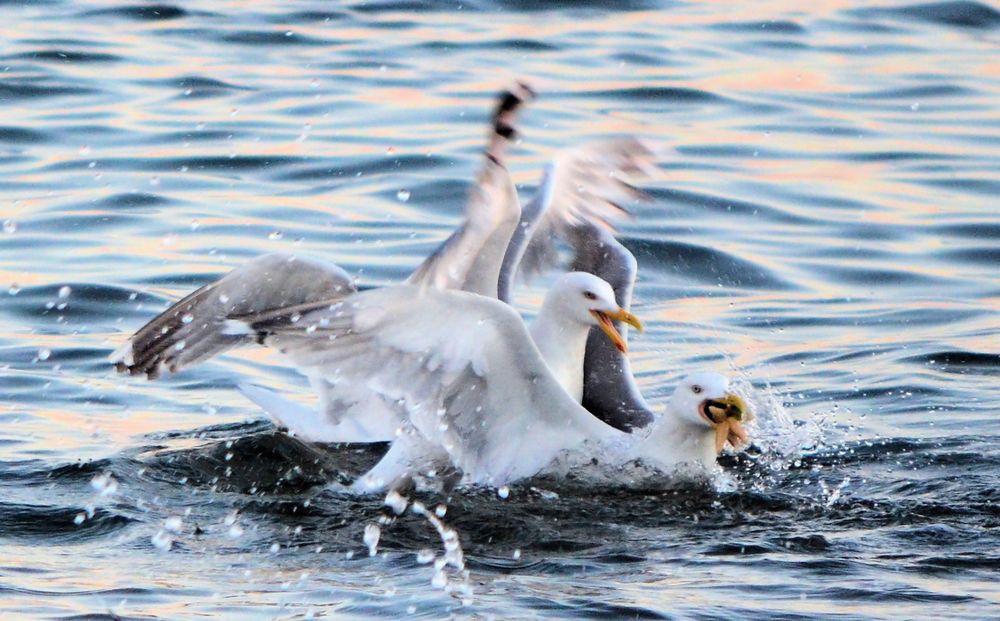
582, 186
609, 388
581, 192
471, 258
194, 328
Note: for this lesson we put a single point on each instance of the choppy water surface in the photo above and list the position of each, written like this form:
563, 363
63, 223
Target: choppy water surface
825, 221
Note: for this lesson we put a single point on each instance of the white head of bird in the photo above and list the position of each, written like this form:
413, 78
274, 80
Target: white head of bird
572, 306
587, 300
704, 400
701, 416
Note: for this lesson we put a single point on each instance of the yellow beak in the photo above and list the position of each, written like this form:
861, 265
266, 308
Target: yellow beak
727, 415
605, 320
730, 406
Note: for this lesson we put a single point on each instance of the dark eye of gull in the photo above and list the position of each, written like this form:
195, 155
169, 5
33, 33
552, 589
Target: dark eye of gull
590, 295
696, 389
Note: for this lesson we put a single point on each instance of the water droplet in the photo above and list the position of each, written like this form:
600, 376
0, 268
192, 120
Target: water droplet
403, 195
396, 501
223, 298
235, 531
274, 235
425, 556
173, 524
155, 181
440, 580
199, 127
180, 345
915, 107
372, 534
503, 492
14, 289
104, 484
274, 548
43, 353
289, 33
517, 555
187, 91
440, 511
64, 292
9, 227
187, 318
234, 112
162, 540
195, 225
80, 517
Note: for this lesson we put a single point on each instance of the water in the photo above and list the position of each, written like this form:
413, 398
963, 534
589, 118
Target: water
824, 224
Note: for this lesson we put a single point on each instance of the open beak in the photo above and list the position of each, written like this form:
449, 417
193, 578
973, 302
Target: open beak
605, 320
726, 415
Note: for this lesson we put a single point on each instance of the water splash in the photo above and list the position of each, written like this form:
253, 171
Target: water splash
453, 557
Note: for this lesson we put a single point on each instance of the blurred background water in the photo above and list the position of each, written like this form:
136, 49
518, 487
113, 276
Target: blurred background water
824, 224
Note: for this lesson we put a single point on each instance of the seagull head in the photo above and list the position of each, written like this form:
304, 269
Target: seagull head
587, 299
704, 399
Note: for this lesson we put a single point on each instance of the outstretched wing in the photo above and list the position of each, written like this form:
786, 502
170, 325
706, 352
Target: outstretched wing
461, 369
470, 259
583, 186
194, 329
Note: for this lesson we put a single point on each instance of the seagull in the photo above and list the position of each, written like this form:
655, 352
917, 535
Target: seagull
702, 415
475, 399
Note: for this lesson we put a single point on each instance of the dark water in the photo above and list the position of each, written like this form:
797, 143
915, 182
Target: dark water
825, 225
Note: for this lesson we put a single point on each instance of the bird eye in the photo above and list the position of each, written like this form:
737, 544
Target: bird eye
590, 295
696, 389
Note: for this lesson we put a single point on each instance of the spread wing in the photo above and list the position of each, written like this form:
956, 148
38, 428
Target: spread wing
460, 369
583, 186
194, 328
470, 259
